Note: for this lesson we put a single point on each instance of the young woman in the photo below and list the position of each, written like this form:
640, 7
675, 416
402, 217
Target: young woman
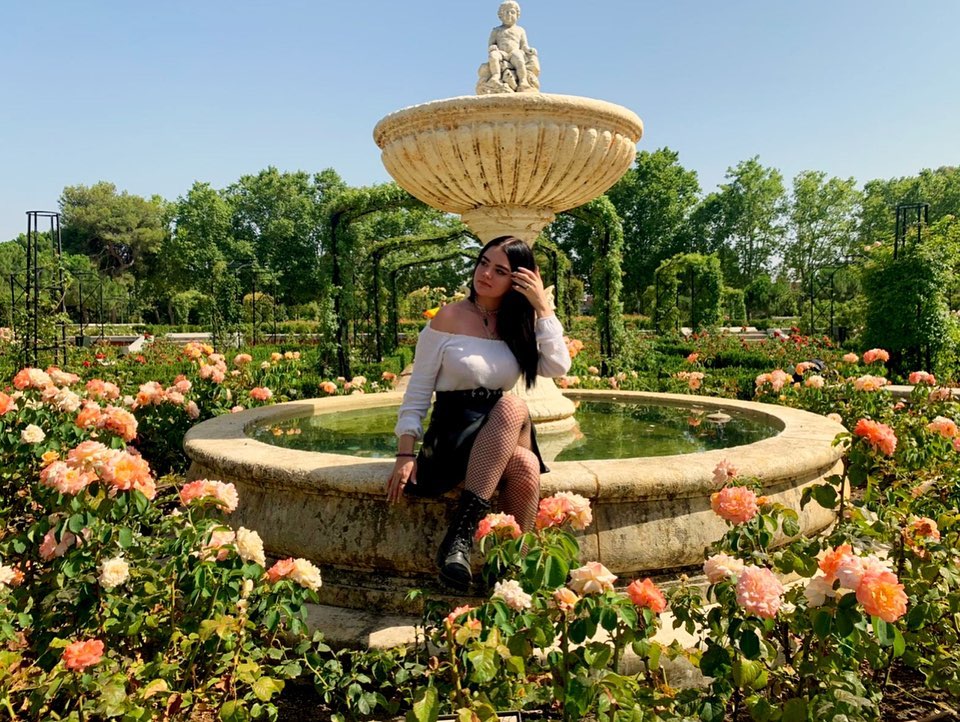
470, 353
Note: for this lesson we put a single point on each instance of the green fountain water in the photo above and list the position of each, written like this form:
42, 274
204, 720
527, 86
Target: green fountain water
606, 431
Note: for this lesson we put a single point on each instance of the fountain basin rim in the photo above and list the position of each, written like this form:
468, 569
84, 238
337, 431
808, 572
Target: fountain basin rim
453, 112
222, 444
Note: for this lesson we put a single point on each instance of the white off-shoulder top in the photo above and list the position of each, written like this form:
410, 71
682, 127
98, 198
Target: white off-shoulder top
455, 361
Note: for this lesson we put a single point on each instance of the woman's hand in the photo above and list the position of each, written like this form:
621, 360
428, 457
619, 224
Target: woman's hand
530, 285
404, 472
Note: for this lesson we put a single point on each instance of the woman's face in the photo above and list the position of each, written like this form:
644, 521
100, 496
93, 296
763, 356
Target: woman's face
493, 276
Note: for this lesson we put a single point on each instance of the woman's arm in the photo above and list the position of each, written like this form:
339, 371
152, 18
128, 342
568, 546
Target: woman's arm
554, 354
416, 399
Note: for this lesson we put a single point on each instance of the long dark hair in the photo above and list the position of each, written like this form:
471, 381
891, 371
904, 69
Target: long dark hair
515, 316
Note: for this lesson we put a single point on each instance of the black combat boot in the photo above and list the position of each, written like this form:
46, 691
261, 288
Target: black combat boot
453, 557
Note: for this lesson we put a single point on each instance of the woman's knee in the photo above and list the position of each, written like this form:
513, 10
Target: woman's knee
524, 468
513, 408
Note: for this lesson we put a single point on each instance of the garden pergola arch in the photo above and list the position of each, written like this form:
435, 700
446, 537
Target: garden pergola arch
380, 250
470, 253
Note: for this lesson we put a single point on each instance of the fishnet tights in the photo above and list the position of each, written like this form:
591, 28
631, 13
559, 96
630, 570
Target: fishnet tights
501, 456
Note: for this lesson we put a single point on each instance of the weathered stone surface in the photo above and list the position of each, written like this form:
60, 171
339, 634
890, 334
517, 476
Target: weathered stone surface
650, 514
508, 162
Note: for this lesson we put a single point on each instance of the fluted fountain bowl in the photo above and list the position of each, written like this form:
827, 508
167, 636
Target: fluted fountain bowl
508, 162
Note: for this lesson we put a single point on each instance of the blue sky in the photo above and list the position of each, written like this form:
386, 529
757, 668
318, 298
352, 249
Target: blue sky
154, 96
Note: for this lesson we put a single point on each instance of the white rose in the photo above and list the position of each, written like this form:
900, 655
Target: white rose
113, 572
33, 434
250, 547
305, 574
511, 592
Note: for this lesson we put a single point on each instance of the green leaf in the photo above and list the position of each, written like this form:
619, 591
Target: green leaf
899, 643
266, 687
750, 644
821, 623
714, 661
795, 710
483, 662
425, 709
597, 655
885, 632
125, 538
233, 711
825, 495
76, 523
555, 571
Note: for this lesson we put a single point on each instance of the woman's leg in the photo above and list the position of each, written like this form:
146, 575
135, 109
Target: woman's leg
505, 434
520, 490
507, 429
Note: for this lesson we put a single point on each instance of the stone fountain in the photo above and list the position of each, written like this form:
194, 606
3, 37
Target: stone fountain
508, 159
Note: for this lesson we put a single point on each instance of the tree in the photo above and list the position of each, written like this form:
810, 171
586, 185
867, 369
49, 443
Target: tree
822, 223
119, 231
654, 199
752, 204
940, 188
279, 214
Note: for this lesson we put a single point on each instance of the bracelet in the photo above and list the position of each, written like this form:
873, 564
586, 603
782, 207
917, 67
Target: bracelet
411, 455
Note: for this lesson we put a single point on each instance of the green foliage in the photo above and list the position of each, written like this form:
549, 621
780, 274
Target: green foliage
119, 231
734, 308
822, 224
906, 307
605, 278
701, 281
654, 200
750, 207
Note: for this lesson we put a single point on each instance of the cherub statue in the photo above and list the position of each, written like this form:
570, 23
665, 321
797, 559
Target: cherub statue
512, 66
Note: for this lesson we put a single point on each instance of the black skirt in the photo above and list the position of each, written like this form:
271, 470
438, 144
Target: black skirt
457, 418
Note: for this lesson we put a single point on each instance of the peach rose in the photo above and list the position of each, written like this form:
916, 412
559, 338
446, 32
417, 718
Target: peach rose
512, 594
874, 355
814, 382
646, 594
832, 560
735, 504
721, 567
922, 377
224, 494
943, 426
723, 471
850, 358
80, 655
7, 404
501, 524
261, 393
882, 596
880, 436
565, 599
759, 592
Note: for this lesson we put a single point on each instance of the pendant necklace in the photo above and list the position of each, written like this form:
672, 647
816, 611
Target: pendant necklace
485, 317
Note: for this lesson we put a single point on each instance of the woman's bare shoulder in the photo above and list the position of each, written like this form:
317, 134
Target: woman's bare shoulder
449, 318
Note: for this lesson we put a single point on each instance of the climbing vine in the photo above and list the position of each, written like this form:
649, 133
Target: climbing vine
606, 277
701, 281
562, 270
343, 245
